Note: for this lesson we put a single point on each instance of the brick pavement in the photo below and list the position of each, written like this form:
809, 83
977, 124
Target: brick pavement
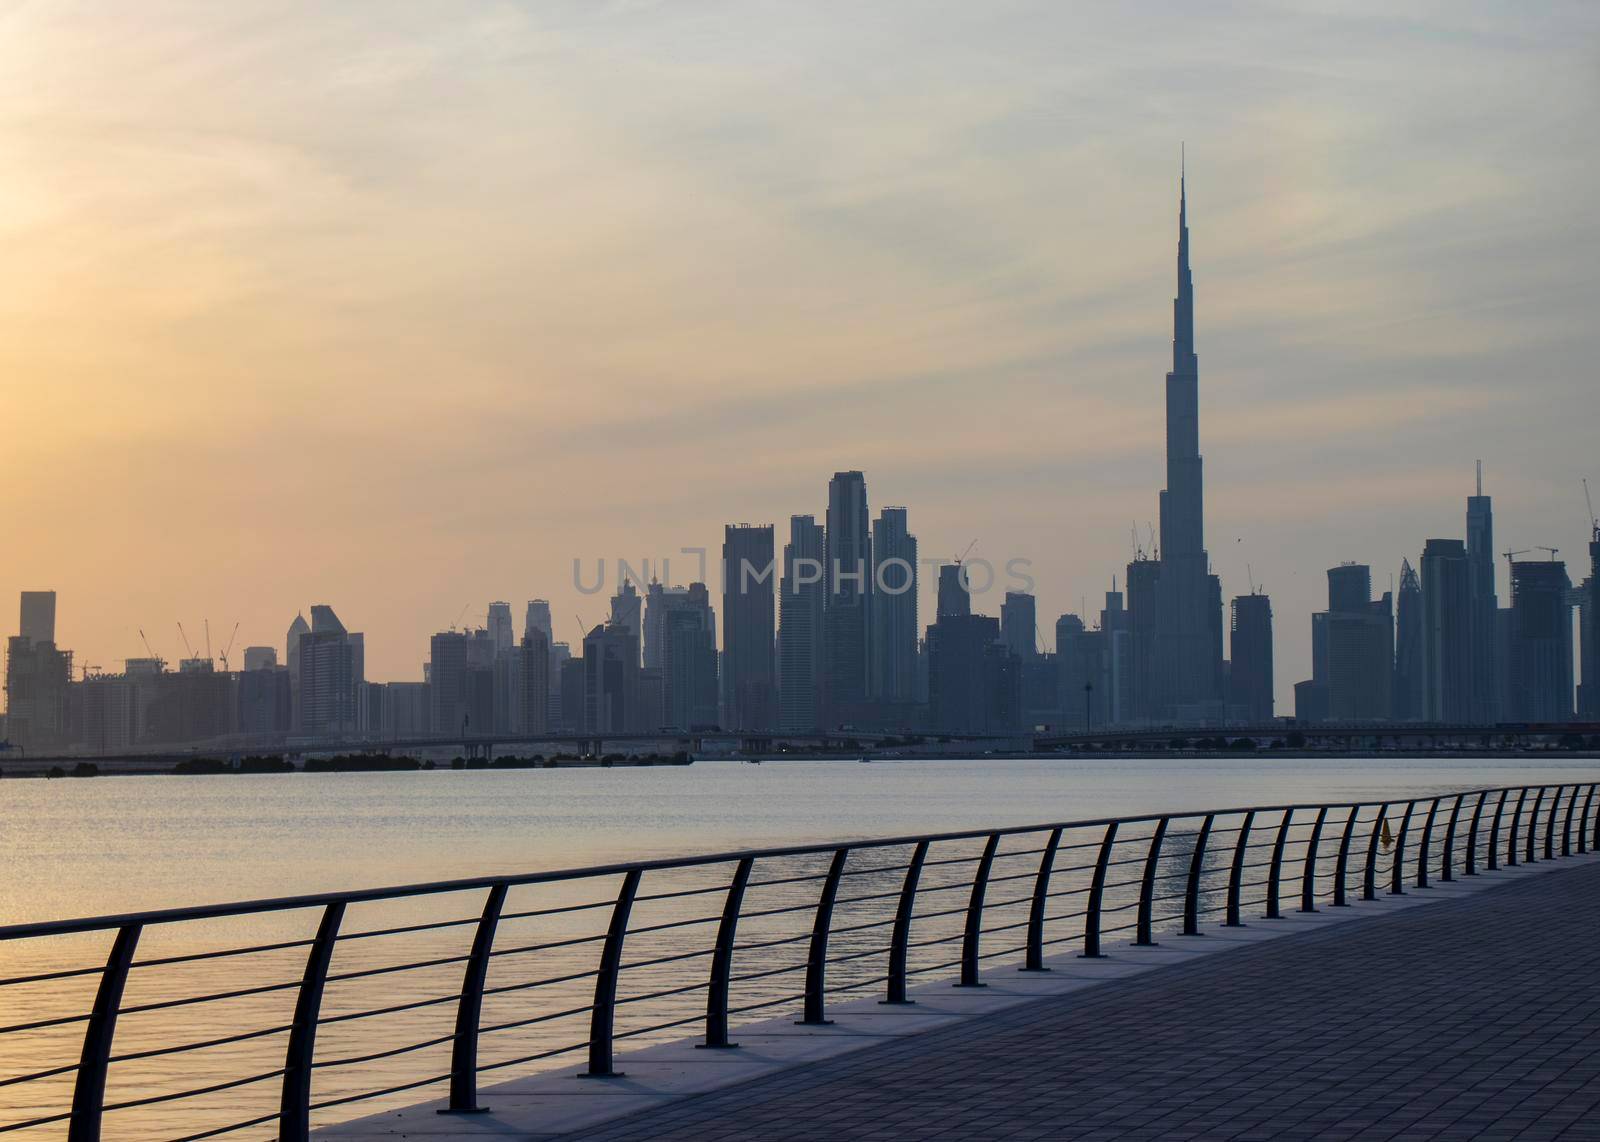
1471, 1017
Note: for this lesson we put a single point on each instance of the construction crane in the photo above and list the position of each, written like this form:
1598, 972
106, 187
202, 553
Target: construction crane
1551, 550
208, 638
965, 552
1594, 524
185, 638
146, 642
461, 616
225, 649
1512, 555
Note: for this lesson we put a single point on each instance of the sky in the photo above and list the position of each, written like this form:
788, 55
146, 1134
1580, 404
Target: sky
404, 307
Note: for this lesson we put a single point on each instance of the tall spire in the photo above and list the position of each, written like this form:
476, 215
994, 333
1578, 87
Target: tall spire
1182, 506
1183, 304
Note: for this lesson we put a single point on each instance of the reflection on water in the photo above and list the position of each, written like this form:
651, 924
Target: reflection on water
114, 845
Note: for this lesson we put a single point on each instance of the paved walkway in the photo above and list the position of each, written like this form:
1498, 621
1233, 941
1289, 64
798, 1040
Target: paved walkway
1476, 1016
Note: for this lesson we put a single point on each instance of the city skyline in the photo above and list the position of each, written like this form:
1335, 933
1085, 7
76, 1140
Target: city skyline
396, 423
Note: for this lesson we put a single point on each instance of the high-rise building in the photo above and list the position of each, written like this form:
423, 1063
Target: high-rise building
687, 661
955, 600
610, 679
627, 612
260, 657
460, 673
533, 683
1541, 642
291, 657
1353, 647
1080, 675
1250, 660
329, 663
1446, 632
38, 616
894, 616
1019, 624
974, 683
1480, 587
1177, 603
801, 604
1410, 695
1589, 692
749, 649
500, 628
1119, 657
537, 618
848, 602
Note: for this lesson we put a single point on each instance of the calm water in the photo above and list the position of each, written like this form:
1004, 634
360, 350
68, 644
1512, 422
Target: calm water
107, 845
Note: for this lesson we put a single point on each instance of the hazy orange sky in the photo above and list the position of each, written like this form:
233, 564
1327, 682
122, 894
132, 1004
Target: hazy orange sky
401, 307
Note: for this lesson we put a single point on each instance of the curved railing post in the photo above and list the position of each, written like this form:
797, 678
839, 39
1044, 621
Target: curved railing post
1550, 825
1041, 896
1147, 885
1422, 847
1594, 841
1583, 824
603, 1015
1308, 876
1236, 873
89, 1093
1516, 823
1341, 863
722, 958
974, 932
1493, 861
1191, 894
817, 957
1097, 888
1397, 870
1448, 860
1369, 879
464, 1047
294, 1111
1533, 827
1566, 828
1472, 835
1277, 864
900, 941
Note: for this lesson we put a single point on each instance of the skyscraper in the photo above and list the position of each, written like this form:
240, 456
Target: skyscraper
1446, 631
330, 670
1250, 660
848, 571
1019, 624
1541, 642
1354, 647
1589, 701
1480, 586
38, 616
533, 683
500, 629
686, 656
954, 598
894, 615
627, 611
801, 604
538, 618
749, 652
1182, 676
1410, 696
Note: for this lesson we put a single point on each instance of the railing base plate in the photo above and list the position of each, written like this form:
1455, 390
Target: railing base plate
462, 1110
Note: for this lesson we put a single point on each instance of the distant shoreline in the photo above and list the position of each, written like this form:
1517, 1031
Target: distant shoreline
214, 767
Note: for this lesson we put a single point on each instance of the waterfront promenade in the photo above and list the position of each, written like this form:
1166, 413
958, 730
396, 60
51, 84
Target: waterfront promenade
1469, 1009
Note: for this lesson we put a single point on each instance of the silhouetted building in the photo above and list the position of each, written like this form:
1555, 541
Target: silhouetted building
1177, 602
1410, 694
458, 660
37, 681
1541, 642
1250, 660
500, 629
572, 695
894, 616
1446, 631
38, 621
329, 663
1353, 647
1483, 706
688, 662
801, 604
291, 656
849, 600
627, 611
260, 657
749, 649
533, 682
1081, 675
1310, 701
955, 601
265, 708
974, 683
198, 704
610, 680
1019, 624
1589, 628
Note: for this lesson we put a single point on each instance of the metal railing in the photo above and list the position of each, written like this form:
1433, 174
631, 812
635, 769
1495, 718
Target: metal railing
553, 966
